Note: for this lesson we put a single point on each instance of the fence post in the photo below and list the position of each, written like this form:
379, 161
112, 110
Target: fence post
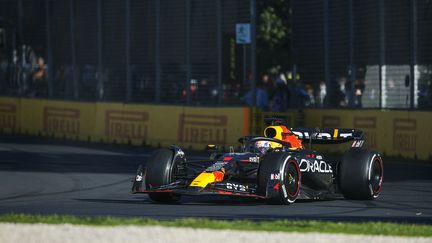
219, 50
188, 50
253, 49
49, 48
127, 42
326, 51
157, 54
73, 52
20, 82
99, 89
20, 23
413, 51
352, 66
382, 73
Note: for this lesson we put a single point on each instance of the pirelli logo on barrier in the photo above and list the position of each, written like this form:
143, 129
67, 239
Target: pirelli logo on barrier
64, 121
405, 134
206, 129
330, 121
8, 119
368, 125
126, 124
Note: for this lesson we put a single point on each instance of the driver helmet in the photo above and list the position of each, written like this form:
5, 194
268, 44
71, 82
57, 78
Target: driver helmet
262, 146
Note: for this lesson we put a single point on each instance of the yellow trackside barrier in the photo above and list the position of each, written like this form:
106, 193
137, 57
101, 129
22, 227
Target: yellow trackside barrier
73, 120
156, 125
394, 133
9, 115
116, 122
196, 127
408, 134
164, 125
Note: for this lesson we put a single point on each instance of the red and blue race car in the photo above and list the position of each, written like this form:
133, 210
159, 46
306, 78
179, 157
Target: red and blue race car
277, 167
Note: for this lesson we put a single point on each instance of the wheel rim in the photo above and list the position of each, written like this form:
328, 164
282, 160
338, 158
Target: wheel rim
292, 181
376, 176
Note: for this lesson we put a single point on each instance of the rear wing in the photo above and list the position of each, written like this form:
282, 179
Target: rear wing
329, 135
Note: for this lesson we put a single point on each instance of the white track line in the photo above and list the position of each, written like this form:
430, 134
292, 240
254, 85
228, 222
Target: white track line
30, 233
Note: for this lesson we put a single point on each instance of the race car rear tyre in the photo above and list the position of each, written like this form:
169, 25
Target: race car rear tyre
287, 178
160, 170
361, 174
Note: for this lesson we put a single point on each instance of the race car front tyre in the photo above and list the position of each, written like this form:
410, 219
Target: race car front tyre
160, 171
361, 174
279, 178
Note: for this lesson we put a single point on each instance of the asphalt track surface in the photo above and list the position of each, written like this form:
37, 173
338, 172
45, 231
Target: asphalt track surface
42, 176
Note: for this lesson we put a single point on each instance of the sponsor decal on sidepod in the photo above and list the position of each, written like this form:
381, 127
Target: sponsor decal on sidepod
316, 166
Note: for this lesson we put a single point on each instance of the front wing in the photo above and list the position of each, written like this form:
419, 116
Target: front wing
182, 188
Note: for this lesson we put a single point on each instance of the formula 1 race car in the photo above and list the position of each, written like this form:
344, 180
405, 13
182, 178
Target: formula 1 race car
276, 167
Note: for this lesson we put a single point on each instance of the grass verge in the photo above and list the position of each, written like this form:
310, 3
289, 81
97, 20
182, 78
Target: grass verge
367, 228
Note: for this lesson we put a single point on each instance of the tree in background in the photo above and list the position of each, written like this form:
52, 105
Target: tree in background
273, 35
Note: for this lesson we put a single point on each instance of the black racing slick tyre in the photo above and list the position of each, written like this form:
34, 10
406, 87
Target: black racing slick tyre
361, 174
287, 186
160, 169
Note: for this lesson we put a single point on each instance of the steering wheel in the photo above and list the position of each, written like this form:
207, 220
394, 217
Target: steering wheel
256, 139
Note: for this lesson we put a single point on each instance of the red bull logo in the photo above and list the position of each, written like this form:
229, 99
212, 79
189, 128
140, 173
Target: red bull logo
203, 129
126, 124
368, 125
405, 134
63, 121
8, 118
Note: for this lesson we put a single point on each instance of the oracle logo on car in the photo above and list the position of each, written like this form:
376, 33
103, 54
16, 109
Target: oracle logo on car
405, 134
64, 121
368, 125
202, 129
314, 166
126, 124
8, 116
